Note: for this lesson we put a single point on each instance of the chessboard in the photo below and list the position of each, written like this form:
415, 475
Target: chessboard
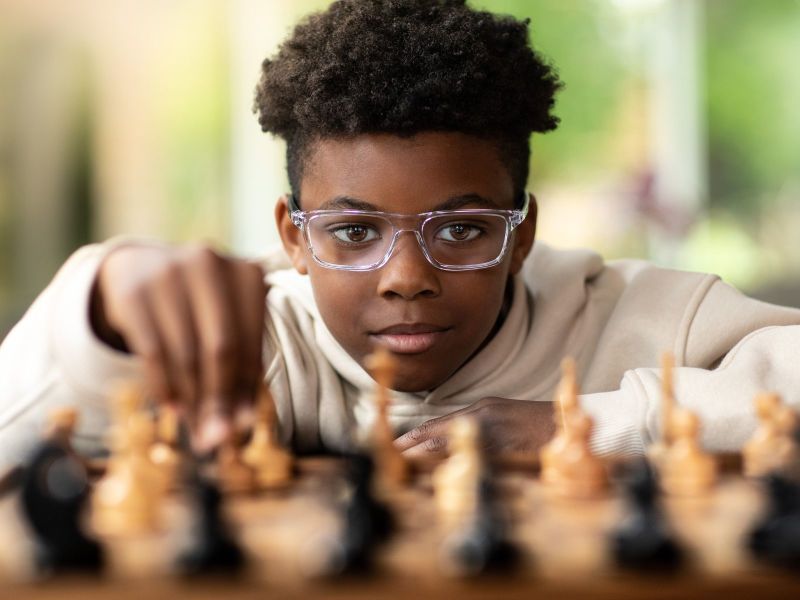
563, 545
252, 520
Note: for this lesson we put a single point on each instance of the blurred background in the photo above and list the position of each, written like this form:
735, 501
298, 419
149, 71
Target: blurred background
679, 141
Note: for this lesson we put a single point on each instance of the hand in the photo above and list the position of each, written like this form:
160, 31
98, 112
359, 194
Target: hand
506, 426
196, 318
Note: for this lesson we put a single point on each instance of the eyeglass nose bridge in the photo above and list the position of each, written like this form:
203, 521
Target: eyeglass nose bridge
417, 231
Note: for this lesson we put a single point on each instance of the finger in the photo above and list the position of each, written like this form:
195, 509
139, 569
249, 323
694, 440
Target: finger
172, 311
213, 310
142, 335
431, 447
213, 429
250, 297
435, 428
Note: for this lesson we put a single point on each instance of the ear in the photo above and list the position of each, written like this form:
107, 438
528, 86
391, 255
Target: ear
524, 235
292, 238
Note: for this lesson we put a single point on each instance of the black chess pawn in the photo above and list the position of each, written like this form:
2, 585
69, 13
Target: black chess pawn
643, 541
776, 537
366, 523
212, 549
482, 544
54, 493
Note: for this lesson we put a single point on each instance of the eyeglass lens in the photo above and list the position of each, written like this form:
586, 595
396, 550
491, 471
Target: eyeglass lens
363, 240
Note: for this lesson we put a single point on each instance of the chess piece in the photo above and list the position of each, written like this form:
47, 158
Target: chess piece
60, 426
686, 470
481, 543
366, 523
575, 471
565, 404
128, 499
233, 475
164, 453
212, 549
271, 462
54, 492
772, 447
775, 539
658, 450
643, 542
456, 480
126, 402
392, 468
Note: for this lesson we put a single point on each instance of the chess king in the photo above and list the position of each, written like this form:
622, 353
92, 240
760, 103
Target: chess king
408, 225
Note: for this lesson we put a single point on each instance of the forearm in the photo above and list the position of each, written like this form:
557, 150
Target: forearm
52, 357
722, 397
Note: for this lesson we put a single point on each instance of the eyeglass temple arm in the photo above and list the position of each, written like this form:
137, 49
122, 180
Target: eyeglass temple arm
292, 204
521, 212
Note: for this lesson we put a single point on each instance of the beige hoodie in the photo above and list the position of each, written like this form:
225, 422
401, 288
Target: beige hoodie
615, 319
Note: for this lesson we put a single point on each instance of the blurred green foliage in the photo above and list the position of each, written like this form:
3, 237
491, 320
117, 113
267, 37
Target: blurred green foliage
752, 99
574, 36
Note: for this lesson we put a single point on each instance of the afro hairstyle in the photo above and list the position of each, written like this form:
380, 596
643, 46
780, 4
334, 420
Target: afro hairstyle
404, 67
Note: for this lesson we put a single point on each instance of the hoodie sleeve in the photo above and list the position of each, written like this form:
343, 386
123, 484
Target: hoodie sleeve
53, 358
734, 347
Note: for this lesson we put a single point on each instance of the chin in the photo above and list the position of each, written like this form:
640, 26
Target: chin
413, 385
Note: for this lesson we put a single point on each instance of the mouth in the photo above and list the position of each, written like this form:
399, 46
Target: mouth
409, 338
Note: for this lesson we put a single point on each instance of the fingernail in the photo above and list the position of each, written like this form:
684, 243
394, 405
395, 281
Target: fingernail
244, 416
214, 429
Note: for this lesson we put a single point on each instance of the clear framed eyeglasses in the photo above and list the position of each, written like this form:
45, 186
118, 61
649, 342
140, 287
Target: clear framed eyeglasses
451, 240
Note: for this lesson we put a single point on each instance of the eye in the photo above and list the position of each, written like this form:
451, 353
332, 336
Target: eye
459, 232
355, 233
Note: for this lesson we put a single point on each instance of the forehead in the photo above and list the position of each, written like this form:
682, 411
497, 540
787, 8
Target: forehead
405, 174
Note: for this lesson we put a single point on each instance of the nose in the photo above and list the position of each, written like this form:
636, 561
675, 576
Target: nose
408, 274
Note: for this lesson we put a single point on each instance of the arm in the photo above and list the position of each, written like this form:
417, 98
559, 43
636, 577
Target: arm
734, 347
52, 357
191, 318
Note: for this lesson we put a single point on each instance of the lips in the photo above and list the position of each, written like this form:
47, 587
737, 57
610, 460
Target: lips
409, 338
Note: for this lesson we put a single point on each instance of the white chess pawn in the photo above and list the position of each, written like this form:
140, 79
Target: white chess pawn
127, 500
456, 480
658, 450
271, 462
576, 471
565, 405
772, 446
686, 470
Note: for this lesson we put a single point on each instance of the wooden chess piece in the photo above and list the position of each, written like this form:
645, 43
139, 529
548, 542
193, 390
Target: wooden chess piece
54, 491
164, 453
366, 523
212, 547
392, 469
772, 447
127, 501
643, 540
576, 471
233, 475
686, 470
657, 451
565, 404
127, 400
456, 481
110, 498
60, 426
270, 461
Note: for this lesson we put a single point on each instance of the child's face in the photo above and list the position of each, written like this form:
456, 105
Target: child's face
452, 313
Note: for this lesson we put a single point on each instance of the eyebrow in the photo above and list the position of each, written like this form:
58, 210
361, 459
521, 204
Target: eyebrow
453, 203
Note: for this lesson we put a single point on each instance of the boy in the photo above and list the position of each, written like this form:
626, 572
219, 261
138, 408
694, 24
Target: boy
407, 125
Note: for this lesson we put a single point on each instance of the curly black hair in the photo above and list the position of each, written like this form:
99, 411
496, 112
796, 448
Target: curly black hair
404, 67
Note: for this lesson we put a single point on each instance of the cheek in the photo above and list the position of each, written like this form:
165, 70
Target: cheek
339, 297
480, 300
